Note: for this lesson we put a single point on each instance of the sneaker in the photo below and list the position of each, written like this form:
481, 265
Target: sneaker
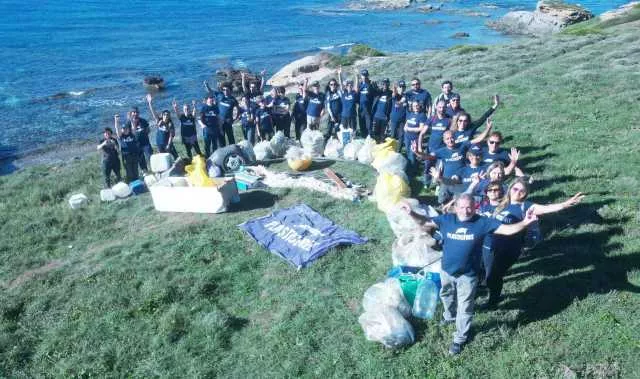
455, 348
445, 322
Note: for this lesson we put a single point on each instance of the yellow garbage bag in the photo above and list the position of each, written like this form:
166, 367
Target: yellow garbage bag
389, 190
197, 173
382, 151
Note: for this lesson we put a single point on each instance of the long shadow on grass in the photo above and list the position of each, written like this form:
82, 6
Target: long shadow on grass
252, 200
574, 266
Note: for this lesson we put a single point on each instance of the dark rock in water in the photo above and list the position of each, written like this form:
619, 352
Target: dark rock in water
429, 8
461, 35
548, 18
154, 82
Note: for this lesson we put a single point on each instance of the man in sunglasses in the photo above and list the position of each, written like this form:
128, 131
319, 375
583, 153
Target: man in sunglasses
492, 152
454, 107
419, 95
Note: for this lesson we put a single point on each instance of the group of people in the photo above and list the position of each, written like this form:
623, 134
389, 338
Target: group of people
486, 222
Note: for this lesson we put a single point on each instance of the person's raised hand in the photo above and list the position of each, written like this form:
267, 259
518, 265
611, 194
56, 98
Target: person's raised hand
530, 216
435, 173
496, 101
574, 200
514, 154
489, 123
149, 97
414, 146
174, 103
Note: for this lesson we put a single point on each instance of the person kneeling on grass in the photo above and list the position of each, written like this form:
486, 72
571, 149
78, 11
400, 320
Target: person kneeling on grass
463, 234
110, 160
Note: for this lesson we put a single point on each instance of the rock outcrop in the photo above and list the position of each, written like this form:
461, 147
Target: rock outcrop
312, 67
548, 18
380, 4
620, 11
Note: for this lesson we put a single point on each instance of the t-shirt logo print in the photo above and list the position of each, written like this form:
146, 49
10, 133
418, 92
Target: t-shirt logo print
461, 231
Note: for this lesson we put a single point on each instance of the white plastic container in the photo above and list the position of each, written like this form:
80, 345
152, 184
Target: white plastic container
194, 199
161, 162
121, 190
150, 180
78, 200
107, 195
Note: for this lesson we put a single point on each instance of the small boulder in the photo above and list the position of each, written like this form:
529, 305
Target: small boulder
461, 35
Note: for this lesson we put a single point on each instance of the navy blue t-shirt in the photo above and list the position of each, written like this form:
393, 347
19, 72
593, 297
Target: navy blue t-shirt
164, 131
450, 112
349, 100
421, 96
316, 104
248, 117
398, 108
437, 127
414, 120
367, 93
141, 131
501, 156
281, 106
462, 242
334, 102
128, 144
511, 214
452, 159
300, 107
225, 106
465, 174
465, 135
209, 115
187, 125
264, 117
382, 105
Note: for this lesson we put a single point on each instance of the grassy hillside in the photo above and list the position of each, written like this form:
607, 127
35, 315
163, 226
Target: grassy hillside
121, 290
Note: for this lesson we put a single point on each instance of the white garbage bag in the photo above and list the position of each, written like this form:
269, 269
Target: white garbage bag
387, 326
279, 144
312, 142
263, 150
386, 294
351, 150
365, 154
333, 149
414, 250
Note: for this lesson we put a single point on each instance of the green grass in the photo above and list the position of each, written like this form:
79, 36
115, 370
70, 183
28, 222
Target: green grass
119, 290
356, 52
467, 49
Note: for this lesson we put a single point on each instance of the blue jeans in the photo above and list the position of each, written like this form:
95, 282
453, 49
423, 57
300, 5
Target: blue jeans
412, 162
364, 119
396, 131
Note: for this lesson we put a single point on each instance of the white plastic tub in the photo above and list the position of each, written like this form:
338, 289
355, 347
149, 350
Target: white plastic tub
194, 199
107, 195
78, 200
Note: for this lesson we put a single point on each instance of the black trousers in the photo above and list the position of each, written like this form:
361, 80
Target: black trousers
109, 166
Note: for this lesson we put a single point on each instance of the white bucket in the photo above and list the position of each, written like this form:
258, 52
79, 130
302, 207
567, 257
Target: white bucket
78, 200
161, 162
107, 195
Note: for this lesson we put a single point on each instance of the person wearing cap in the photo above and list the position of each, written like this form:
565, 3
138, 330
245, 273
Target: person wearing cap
315, 105
460, 180
248, 120
208, 122
165, 130
420, 95
492, 152
227, 104
464, 128
188, 132
299, 109
366, 93
140, 127
463, 233
110, 159
334, 108
381, 110
349, 99
447, 92
452, 158
398, 115
129, 148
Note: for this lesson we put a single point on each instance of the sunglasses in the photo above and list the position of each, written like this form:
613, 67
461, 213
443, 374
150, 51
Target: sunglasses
517, 189
463, 120
493, 189
456, 100
494, 142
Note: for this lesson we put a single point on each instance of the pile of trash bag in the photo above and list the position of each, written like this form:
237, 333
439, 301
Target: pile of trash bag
263, 151
312, 142
351, 150
333, 149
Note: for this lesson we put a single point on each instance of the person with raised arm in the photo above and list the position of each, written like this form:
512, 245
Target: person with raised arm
140, 127
464, 128
109, 147
462, 235
299, 109
208, 122
334, 108
366, 93
513, 208
252, 90
188, 132
315, 104
349, 99
228, 112
165, 130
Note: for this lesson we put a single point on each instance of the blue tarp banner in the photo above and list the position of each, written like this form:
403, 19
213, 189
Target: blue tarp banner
298, 234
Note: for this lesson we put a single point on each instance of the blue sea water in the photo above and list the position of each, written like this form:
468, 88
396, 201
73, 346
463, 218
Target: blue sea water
67, 67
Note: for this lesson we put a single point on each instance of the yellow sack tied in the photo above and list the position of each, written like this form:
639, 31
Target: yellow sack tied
389, 190
382, 151
197, 173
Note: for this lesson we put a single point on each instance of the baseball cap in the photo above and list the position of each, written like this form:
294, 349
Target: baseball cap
315, 83
364, 72
455, 96
401, 83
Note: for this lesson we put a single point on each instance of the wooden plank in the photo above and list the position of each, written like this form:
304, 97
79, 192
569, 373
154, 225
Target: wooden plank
336, 179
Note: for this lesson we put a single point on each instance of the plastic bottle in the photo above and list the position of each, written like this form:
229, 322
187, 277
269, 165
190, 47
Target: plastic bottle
424, 305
